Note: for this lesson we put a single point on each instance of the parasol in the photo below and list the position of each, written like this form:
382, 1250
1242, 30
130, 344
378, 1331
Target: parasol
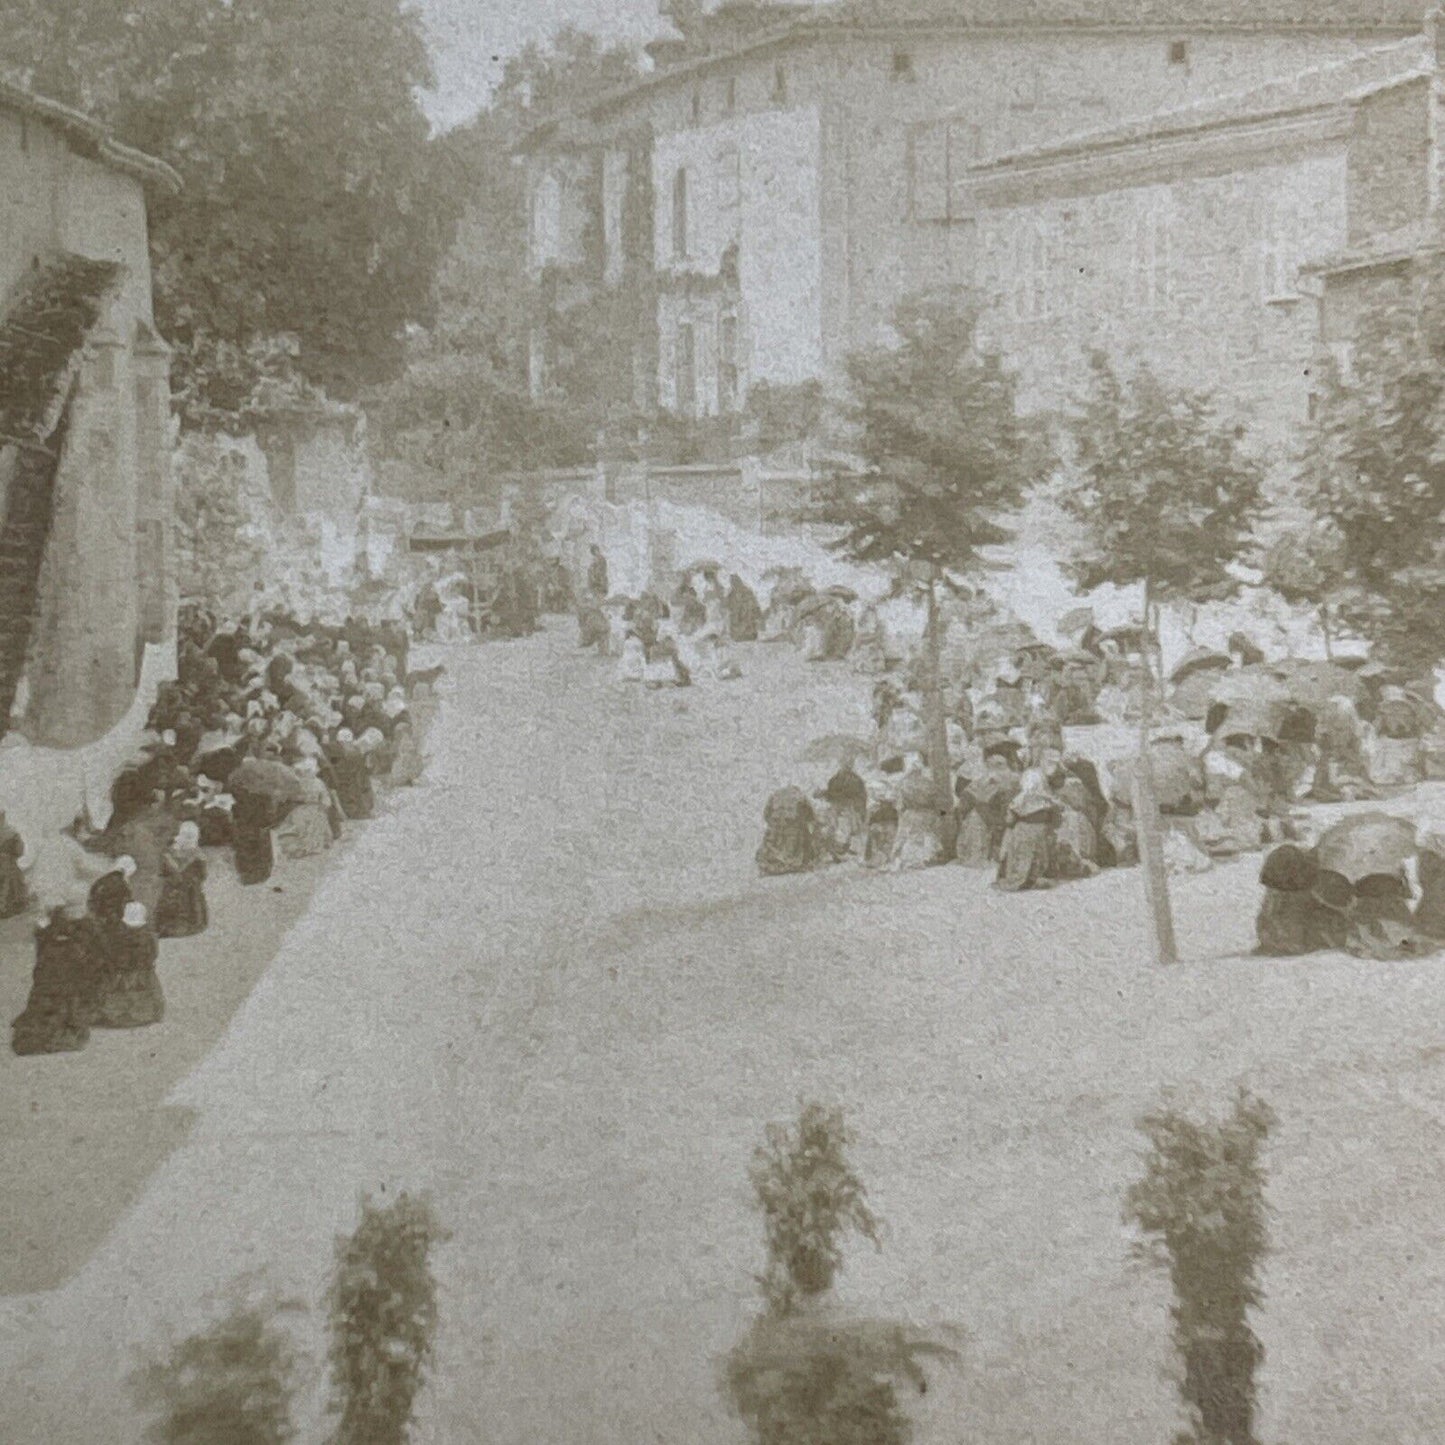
1367, 844
836, 748
817, 602
1201, 659
267, 779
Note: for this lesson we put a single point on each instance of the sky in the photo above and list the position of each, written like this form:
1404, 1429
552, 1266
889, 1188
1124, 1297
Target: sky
470, 40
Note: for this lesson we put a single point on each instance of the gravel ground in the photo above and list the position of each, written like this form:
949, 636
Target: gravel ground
550, 988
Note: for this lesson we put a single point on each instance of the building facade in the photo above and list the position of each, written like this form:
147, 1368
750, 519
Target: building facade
87, 584
805, 173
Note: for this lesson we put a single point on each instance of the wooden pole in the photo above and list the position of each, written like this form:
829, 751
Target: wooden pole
1148, 825
935, 722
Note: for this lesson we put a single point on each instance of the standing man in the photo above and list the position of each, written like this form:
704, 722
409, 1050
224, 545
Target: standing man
597, 573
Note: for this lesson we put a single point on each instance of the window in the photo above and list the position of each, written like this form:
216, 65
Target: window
903, 65
696, 106
685, 371
547, 221
729, 185
1032, 279
727, 364
1279, 271
939, 157
1153, 258
1179, 52
730, 94
679, 214
780, 83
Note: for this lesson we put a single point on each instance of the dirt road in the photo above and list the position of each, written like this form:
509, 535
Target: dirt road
550, 988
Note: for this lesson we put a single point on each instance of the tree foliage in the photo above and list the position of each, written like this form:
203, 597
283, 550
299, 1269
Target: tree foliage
810, 1197
232, 1381
1308, 566
219, 549
311, 206
935, 422
1201, 1208
1163, 492
1374, 472
383, 1320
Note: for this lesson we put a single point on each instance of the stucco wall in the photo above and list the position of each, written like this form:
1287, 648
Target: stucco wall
1389, 161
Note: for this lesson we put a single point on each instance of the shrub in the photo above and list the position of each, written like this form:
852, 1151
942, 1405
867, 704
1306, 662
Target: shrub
810, 1197
231, 1382
1201, 1207
383, 1312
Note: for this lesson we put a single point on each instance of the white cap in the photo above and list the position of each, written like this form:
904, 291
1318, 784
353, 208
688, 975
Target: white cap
135, 915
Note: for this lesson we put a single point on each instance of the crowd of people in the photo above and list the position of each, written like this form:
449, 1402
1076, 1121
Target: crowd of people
276, 732
1238, 749
673, 641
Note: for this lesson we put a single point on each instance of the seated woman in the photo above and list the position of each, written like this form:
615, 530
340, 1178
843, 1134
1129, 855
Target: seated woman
790, 842
843, 820
182, 910
56, 1015
882, 830
983, 806
1026, 857
354, 790
307, 828
919, 842
1292, 921
1382, 926
407, 761
14, 894
128, 994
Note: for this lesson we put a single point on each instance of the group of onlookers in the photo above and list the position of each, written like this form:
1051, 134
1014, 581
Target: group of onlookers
275, 733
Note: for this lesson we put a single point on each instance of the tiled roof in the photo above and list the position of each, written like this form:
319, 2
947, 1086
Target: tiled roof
87, 136
798, 23
1329, 85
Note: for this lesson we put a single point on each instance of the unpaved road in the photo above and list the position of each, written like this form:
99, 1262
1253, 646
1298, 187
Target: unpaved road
550, 988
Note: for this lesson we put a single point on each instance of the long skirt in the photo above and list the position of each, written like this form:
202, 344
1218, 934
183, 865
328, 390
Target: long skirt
306, 831
129, 996
255, 853
1025, 856
14, 895
182, 911
55, 1016
917, 844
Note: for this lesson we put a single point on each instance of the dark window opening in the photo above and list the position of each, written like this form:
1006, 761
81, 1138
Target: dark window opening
780, 83
1179, 52
686, 372
730, 95
679, 214
697, 105
903, 65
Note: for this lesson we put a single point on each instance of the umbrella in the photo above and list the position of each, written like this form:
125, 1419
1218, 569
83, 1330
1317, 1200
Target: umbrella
1312, 683
1201, 659
836, 748
1077, 621
817, 602
268, 779
1366, 844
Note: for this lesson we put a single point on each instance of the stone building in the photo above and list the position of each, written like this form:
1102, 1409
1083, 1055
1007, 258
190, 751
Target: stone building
786, 173
87, 586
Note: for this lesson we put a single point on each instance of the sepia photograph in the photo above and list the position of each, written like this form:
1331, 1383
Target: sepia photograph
722, 722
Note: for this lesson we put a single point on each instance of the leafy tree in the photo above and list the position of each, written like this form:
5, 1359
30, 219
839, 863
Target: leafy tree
310, 205
947, 458
1201, 1207
1374, 473
810, 1197
1163, 492
1164, 496
802, 1375
219, 549
1307, 565
383, 1319
232, 1381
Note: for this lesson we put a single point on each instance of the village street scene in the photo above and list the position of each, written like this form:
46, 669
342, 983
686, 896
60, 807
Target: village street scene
723, 724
